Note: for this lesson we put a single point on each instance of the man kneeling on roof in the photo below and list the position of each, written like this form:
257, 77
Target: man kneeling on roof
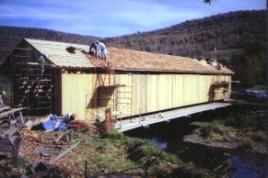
96, 46
93, 49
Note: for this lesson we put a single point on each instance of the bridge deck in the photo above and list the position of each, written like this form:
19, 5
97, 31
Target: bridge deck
145, 121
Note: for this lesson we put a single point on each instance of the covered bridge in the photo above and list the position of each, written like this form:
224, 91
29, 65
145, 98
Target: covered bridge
130, 82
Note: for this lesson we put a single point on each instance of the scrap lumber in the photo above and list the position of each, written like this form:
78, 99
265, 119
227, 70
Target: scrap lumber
10, 136
11, 142
62, 154
11, 111
4, 108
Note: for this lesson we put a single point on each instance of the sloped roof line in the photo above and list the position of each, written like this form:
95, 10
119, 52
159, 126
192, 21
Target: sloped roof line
121, 59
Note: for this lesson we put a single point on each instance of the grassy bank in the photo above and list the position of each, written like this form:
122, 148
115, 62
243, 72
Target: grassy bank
117, 154
244, 126
112, 154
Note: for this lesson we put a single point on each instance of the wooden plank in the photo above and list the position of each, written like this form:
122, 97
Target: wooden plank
40, 108
137, 121
23, 49
4, 108
20, 56
7, 113
39, 75
66, 151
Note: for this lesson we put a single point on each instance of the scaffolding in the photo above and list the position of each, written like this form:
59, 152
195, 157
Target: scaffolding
31, 89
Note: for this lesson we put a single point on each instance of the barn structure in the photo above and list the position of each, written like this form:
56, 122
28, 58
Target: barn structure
56, 77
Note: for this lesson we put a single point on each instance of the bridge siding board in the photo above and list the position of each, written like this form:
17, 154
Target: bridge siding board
150, 92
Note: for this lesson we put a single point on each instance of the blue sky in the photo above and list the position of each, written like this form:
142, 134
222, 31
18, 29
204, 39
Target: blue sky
106, 18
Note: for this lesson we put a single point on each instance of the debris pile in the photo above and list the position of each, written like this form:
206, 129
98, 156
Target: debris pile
10, 136
49, 149
37, 141
83, 150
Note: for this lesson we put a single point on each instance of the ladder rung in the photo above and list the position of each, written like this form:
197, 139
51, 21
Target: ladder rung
124, 103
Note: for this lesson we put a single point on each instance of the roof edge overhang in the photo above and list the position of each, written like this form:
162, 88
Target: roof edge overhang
123, 70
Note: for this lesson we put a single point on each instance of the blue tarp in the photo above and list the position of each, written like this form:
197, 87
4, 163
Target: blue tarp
53, 123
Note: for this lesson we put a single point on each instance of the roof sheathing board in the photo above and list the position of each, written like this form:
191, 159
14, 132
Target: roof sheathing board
121, 59
56, 52
131, 60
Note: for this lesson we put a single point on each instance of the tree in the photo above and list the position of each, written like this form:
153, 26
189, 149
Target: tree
207, 1
249, 67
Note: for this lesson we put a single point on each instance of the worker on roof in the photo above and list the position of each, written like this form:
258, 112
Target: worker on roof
95, 46
93, 49
103, 49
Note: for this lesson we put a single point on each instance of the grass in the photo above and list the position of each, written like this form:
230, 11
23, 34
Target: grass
116, 153
259, 136
108, 154
216, 130
22, 162
9, 170
246, 127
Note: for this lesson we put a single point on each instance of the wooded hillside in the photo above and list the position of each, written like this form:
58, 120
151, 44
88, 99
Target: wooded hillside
11, 36
239, 38
227, 32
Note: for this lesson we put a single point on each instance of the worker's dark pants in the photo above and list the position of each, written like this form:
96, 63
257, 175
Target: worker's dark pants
42, 70
96, 50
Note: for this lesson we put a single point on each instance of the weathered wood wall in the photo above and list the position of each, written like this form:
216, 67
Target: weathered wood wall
139, 93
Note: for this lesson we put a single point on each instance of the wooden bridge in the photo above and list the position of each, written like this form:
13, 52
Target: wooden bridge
145, 121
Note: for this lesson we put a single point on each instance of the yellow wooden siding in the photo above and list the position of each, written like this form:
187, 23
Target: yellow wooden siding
77, 90
140, 93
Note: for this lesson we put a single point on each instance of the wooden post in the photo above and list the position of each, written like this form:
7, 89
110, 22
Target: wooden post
108, 123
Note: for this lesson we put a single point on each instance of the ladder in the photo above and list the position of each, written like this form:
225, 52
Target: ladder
109, 87
105, 90
125, 97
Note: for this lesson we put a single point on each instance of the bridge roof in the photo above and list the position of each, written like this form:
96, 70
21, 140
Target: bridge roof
121, 59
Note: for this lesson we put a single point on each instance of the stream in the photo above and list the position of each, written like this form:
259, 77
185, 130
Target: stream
168, 136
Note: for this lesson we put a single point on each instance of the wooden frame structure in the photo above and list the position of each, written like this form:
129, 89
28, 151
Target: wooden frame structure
30, 88
130, 82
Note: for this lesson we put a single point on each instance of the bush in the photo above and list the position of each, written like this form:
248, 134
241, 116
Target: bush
258, 136
215, 127
115, 136
146, 154
248, 143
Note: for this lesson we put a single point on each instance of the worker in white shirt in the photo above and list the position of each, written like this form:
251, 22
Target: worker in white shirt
103, 49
